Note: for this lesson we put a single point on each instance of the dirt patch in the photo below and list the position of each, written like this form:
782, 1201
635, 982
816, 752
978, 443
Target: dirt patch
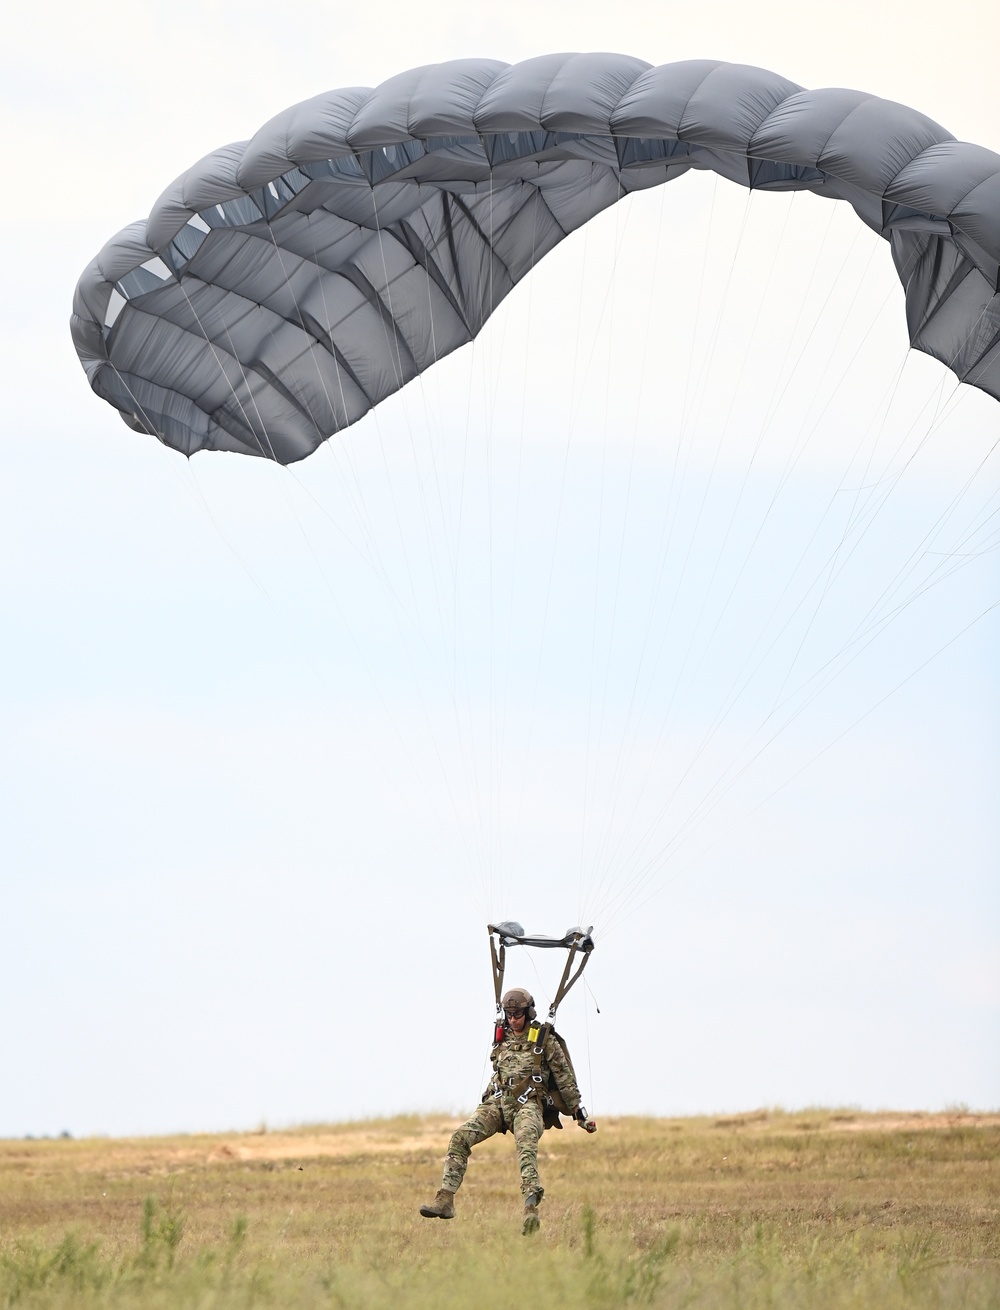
341, 1144
848, 1121
909, 1123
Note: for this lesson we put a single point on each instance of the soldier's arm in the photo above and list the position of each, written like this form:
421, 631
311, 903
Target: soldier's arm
562, 1072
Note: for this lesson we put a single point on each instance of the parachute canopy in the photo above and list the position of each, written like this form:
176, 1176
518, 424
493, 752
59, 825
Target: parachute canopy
284, 285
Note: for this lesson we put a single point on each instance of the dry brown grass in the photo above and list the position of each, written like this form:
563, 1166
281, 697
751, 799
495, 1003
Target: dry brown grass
823, 1208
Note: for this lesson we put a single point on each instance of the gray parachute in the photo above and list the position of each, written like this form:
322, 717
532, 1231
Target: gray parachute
284, 285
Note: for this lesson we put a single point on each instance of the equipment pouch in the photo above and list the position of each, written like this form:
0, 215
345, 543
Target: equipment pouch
550, 1114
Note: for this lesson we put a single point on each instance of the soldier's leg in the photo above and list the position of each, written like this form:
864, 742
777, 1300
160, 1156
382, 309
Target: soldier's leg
483, 1123
527, 1128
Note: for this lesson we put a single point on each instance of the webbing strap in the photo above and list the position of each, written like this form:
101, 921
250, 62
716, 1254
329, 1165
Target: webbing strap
498, 958
533, 1083
538, 1052
577, 942
584, 946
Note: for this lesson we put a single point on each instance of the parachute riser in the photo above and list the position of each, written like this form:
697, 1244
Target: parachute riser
577, 942
567, 980
498, 957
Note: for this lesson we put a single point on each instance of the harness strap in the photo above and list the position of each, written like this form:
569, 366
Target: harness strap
499, 959
533, 1083
582, 944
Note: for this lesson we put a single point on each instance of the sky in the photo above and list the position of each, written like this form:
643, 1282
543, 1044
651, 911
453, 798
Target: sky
665, 607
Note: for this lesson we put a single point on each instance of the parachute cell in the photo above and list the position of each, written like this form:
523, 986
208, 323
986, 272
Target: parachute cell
283, 286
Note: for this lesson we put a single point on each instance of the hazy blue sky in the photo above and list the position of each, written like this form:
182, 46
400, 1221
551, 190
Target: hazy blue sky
548, 636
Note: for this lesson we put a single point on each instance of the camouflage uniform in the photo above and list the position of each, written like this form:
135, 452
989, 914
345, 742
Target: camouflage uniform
513, 1061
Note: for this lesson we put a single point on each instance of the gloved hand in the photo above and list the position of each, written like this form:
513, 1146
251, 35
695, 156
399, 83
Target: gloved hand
580, 1115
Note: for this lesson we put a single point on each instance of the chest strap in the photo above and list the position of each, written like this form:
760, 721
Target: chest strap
532, 1084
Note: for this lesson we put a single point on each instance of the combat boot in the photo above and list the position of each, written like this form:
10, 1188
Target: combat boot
531, 1221
442, 1207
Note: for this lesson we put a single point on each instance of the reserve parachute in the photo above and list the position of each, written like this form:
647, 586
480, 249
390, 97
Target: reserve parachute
285, 285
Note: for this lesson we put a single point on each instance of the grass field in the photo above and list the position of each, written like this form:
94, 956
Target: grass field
822, 1208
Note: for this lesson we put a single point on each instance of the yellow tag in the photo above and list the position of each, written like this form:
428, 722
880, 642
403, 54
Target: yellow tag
533, 1033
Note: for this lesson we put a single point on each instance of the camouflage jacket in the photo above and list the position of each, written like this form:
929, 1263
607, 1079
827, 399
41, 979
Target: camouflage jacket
513, 1060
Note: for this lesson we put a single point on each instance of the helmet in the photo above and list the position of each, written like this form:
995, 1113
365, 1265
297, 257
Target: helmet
518, 999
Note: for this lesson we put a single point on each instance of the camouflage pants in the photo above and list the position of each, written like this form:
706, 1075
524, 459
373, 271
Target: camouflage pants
525, 1121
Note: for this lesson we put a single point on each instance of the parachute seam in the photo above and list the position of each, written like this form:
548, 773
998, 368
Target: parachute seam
476, 227
213, 345
323, 338
216, 348
850, 114
453, 85
743, 149
549, 210
299, 324
326, 338
422, 258
253, 449
624, 96
687, 102
963, 198
891, 200
311, 331
138, 403
352, 274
